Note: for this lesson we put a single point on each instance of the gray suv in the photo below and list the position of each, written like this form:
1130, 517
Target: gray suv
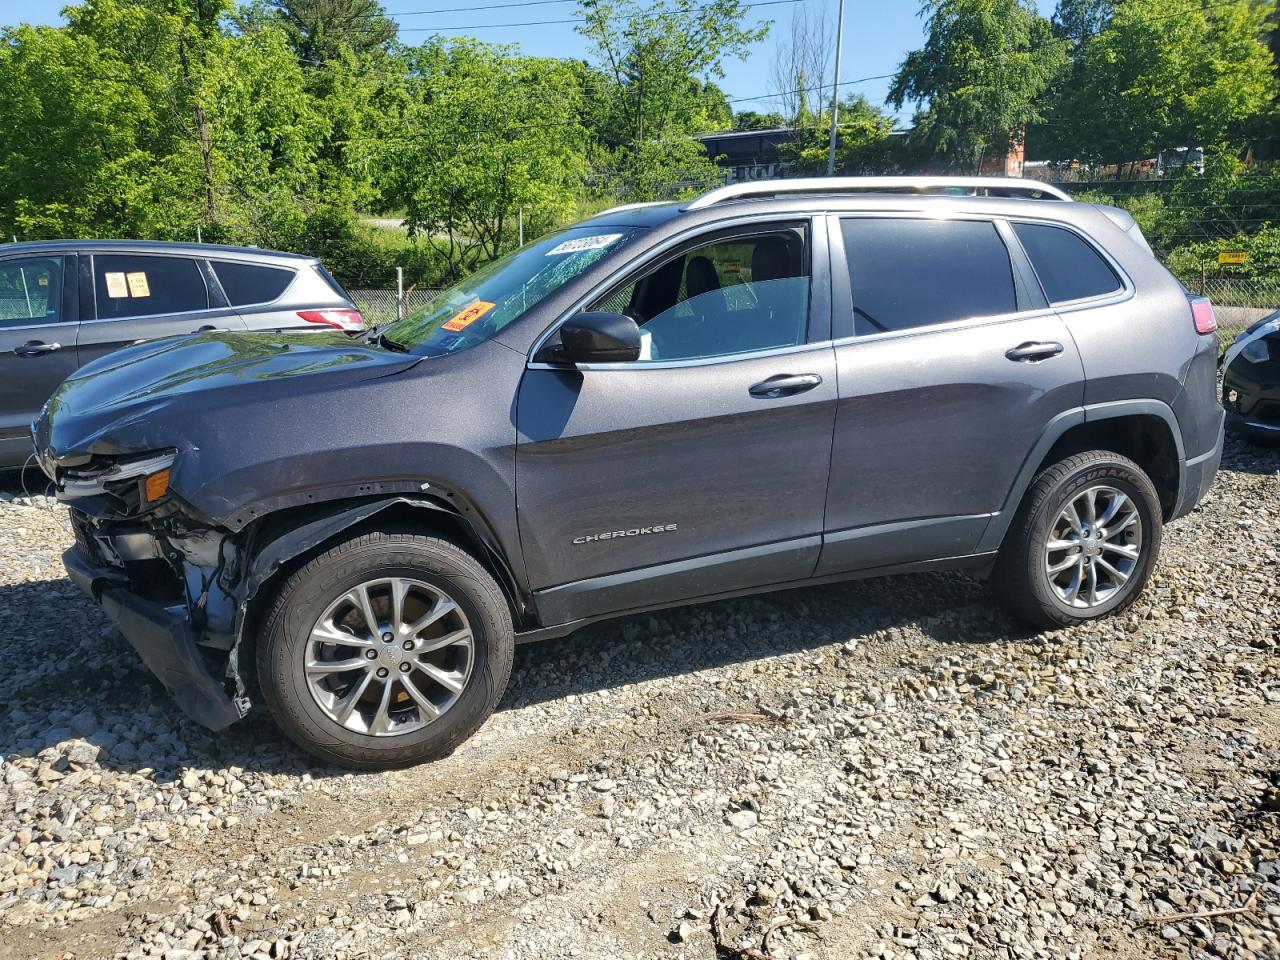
64, 303
774, 385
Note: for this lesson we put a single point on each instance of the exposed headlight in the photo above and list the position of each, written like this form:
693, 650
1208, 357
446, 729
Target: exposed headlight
150, 473
1256, 351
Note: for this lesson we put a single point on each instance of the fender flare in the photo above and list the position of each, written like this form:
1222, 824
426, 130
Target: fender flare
993, 536
341, 516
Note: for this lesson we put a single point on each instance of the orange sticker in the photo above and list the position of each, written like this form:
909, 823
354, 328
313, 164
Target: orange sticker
467, 316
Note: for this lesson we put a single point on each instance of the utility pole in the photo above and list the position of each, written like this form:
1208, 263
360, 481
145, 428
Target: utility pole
835, 94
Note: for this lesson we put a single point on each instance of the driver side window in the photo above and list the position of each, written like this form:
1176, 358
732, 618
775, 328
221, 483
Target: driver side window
736, 294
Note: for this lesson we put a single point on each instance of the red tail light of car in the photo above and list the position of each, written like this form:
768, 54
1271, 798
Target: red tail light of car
349, 321
1203, 315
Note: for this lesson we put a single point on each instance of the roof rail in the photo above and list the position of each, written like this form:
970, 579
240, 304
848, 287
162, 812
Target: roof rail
989, 186
633, 206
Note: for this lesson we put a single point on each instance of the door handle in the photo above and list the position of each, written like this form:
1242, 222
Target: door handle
1033, 352
209, 328
34, 348
785, 385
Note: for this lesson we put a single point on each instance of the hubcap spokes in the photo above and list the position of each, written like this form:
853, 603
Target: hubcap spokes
1094, 546
389, 656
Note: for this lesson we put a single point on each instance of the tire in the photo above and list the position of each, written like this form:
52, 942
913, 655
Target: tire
1022, 578
299, 671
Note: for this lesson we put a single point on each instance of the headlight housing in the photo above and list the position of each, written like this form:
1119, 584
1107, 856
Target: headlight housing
138, 482
1256, 351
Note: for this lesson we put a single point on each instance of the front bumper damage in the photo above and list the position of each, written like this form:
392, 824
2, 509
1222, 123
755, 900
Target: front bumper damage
179, 586
162, 585
164, 639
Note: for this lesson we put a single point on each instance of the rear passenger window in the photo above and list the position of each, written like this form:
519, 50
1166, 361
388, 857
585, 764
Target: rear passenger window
907, 273
134, 285
1068, 267
249, 283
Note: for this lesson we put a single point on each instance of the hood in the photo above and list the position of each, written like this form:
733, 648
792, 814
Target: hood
126, 401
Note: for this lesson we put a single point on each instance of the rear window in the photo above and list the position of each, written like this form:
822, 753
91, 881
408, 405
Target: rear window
1068, 267
249, 283
131, 285
908, 273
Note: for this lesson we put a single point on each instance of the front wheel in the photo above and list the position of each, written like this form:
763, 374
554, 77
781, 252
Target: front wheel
386, 650
1083, 542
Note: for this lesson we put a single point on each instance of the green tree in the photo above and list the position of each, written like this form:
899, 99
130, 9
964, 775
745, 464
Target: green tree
322, 30
1079, 20
658, 65
484, 133
82, 153
864, 145
1167, 73
751, 120
978, 78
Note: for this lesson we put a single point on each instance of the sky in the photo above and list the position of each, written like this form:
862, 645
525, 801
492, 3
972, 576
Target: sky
878, 34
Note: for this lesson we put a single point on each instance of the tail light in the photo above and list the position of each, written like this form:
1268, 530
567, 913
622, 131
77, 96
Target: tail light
349, 321
1203, 316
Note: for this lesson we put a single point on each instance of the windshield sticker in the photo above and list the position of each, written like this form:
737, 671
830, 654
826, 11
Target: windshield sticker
578, 244
115, 285
138, 285
467, 316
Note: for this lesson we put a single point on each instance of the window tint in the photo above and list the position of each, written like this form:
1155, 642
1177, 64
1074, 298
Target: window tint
1068, 267
130, 285
247, 283
915, 273
733, 296
30, 291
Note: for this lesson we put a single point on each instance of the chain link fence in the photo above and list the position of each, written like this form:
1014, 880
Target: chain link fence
379, 306
1237, 302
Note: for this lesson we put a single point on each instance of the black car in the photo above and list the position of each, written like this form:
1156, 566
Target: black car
773, 385
1251, 381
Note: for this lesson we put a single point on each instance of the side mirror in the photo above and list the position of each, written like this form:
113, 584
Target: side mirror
594, 338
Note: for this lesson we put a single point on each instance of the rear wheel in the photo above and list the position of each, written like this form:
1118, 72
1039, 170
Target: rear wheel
386, 650
1083, 543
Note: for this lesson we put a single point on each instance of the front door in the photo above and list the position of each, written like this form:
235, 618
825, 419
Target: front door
700, 468
144, 297
37, 343
950, 368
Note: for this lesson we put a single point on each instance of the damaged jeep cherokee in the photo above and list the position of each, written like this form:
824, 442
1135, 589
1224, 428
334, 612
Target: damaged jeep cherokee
774, 385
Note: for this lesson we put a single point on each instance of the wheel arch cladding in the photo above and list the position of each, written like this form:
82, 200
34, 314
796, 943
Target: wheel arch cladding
1145, 438
296, 535
1145, 431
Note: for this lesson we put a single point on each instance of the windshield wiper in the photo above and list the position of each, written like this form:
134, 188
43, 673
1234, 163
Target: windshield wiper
387, 343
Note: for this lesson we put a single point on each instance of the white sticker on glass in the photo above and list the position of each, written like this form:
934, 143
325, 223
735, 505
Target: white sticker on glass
116, 286
579, 244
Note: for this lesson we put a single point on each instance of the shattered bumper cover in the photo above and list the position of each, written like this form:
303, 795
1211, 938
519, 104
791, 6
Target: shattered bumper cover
163, 638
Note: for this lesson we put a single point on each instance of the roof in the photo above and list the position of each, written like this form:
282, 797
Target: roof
148, 246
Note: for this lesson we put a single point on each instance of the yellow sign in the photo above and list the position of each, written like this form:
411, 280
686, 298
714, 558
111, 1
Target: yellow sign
115, 285
467, 316
1232, 256
138, 285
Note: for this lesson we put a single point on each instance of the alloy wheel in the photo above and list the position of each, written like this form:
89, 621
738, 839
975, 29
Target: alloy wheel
389, 656
1094, 546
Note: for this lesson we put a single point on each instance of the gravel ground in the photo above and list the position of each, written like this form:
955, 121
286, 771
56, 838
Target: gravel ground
880, 769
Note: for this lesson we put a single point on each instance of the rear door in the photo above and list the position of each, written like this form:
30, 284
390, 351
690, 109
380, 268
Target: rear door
951, 365
701, 467
138, 296
37, 343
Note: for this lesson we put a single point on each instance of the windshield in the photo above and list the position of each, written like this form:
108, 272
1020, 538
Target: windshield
478, 307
